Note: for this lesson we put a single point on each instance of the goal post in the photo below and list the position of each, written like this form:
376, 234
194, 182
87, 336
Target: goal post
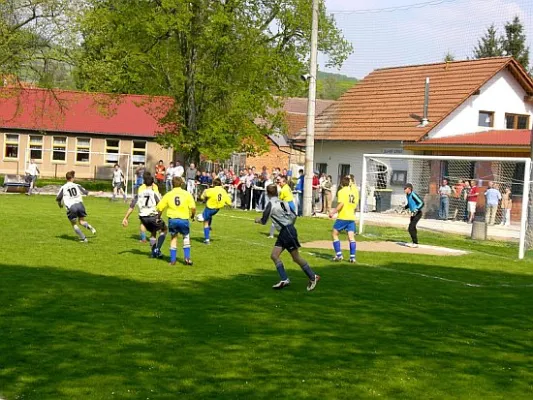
383, 197
57, 161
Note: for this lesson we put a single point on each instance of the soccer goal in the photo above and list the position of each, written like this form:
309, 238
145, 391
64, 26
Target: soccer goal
447, 185
56, 162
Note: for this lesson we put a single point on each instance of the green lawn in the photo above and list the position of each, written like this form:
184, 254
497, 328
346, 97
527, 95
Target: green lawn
103, 321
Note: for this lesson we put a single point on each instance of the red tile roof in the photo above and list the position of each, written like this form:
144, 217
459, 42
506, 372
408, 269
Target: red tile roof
510, 137
378, 107
296, 111
81, 112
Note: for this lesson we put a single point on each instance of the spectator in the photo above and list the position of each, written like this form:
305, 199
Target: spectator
507, 205
444, 192
190, 176
492, 199
316, 190
32, 172
321, 181
248, 182
472, 200
178, 170
264, 172
160, 172
300, 190
463, 201
326, 187
118, 183
139, 175
170, 176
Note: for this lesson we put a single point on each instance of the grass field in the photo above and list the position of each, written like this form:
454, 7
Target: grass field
103, 321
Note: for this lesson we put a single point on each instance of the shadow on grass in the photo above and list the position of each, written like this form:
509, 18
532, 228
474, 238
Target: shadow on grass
364, 332
71, 238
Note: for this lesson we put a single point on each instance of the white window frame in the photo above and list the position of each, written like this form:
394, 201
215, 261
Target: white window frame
41, 144
78, 147
133, 150
6, 142
113, 148
59, 145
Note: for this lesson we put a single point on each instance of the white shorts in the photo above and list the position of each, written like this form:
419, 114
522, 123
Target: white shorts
472, 206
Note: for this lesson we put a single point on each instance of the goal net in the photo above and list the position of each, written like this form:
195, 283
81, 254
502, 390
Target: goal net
447, 185
90, 165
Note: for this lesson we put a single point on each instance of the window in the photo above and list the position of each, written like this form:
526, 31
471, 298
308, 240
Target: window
516, 121
486, 118
11, 146
344, 170
83, 147
36, 147
398, 178
112, 147
322, 168
139, 152
59, 145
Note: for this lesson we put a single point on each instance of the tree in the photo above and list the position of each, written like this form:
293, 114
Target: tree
514, 42
489, 45
225, 63
449, 57
33, 35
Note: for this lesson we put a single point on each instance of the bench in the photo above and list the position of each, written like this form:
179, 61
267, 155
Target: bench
15, 184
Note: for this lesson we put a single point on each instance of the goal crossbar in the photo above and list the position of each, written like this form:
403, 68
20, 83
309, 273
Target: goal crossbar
525, 195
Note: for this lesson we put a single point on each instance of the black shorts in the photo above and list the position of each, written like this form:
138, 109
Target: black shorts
288, 239
76, 211
152, 223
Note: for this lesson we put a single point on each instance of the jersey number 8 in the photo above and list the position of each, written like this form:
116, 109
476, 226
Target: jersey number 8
220, 197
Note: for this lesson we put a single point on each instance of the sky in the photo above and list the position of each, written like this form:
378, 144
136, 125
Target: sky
388, 33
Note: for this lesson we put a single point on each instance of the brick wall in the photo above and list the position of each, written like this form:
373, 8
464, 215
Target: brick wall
273, 158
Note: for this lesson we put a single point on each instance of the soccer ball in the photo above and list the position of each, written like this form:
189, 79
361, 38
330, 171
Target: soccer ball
200, 218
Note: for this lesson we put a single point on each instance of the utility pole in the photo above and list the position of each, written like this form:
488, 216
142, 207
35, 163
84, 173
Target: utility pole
311, 105
529, 219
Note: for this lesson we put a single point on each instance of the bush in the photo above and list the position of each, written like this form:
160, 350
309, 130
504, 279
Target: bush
89, 184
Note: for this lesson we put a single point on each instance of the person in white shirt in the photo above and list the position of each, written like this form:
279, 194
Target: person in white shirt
170, 175
179, 170
118, 182
32, 172
70, 196
445, 192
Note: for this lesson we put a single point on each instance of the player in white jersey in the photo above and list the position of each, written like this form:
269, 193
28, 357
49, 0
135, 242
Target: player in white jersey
118, 182
70, 196
146, 201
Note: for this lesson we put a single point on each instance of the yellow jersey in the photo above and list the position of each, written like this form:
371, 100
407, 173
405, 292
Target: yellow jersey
285, 194
179, 203
142, 188
349, 199
216, 197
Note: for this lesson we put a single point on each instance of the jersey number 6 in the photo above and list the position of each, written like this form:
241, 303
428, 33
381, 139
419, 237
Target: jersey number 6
177, 201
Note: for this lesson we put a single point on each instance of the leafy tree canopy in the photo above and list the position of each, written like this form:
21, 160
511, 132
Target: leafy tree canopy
226, 63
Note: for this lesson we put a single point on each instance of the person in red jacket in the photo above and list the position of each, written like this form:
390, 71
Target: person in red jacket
472, 201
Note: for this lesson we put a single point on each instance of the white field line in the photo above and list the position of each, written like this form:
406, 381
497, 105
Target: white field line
397, 271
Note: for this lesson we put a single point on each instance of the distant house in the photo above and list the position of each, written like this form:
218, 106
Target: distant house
474, 106
282, 152
65, 130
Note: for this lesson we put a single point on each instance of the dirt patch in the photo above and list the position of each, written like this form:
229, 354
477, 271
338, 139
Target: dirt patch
388, 247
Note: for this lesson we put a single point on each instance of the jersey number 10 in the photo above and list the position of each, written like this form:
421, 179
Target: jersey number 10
73, 192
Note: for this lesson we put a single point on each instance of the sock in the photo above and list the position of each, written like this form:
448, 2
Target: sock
187, 253
207, 231
160, 241
143, 236
79, 232
173, 254
152, 243
272, 230
86, 225
353, 247
309, 272
281, 271
337, 248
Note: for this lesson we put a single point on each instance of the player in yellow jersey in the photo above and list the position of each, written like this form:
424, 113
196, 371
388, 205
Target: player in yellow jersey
347, 200
180, 207
217, 198
141, 189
